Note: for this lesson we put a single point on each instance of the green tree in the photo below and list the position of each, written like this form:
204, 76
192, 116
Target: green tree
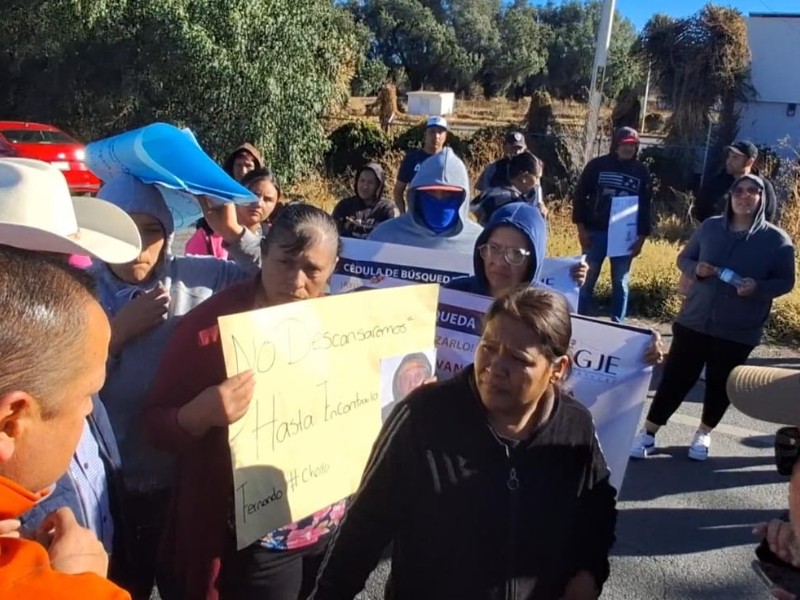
522, 54
571, 51
408, 36
255, 70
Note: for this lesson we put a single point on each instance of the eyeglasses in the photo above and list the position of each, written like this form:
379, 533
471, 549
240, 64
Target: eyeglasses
512, 256
787, 449
748, 191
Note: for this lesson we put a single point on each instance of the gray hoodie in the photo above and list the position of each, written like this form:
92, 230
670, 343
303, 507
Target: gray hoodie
189, 280
443, 168
764, 253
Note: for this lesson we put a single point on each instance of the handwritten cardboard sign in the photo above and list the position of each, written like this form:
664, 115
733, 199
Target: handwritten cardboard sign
316, 411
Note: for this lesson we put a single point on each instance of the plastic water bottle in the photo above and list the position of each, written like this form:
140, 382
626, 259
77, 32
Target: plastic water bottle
729, 276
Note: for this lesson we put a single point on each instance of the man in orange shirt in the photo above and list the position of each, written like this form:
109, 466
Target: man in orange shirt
53, 348
54, 345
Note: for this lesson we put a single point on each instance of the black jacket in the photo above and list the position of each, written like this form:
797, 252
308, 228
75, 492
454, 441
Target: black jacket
713, 196
603, 178
468, 516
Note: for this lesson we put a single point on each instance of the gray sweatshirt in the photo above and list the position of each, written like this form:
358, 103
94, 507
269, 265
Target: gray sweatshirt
444, 168
190, 280
765, 253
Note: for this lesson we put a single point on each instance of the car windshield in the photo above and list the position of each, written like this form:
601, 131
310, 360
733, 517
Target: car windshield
33, 136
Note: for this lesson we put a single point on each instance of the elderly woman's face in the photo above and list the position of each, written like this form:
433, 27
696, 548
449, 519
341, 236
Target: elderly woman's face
288, 276
510, 369
411, 377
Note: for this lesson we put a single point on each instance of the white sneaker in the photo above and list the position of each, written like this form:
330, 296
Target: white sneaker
643, 444
700, 446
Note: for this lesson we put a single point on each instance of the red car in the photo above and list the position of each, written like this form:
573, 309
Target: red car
50, 144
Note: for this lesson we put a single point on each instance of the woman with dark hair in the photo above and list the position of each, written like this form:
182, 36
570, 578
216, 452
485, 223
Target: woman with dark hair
491, 480
358, 215
738, 263
255, 217
510, 252
191, 404
259, 215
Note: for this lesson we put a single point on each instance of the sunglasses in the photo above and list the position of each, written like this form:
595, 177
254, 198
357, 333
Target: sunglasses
787, 449
512, 256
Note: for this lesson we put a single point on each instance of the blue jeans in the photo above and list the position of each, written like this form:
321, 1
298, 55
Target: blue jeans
620, 272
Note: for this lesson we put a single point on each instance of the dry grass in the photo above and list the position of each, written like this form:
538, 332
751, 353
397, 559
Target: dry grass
654, 276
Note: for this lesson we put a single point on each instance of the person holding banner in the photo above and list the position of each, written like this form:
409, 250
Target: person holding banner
438, 209
739, 263
509, 253
188, 411
144, 300
490, 480
617, 175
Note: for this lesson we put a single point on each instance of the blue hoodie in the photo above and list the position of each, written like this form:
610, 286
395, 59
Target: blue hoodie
443, 168
765, 253
189, 280
524, 218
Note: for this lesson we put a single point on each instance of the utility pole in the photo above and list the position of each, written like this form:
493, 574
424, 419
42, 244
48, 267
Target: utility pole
646, 95
598, 77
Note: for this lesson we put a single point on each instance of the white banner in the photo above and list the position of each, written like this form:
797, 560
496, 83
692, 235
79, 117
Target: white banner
609, 375
556, 274
365, 264
622, 225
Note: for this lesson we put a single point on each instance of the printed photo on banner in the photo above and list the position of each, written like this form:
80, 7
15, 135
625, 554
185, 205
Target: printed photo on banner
609, 374
316, 411
402, 374
622, 225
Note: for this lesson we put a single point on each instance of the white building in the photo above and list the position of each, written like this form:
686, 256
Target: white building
775, 112
431, 103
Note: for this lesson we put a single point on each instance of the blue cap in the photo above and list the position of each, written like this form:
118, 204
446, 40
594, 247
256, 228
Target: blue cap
437, 122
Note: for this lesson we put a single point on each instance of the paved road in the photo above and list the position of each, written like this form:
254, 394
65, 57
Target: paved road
684, 530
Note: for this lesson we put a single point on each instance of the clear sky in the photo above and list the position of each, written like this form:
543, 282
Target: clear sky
639, 11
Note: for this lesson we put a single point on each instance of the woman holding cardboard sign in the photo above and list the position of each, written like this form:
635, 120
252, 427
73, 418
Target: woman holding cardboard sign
188, 412
490, 480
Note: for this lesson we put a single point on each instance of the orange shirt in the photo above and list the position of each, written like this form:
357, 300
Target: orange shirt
25, 571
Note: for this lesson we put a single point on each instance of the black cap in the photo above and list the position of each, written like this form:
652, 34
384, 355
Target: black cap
744, 148
515, 138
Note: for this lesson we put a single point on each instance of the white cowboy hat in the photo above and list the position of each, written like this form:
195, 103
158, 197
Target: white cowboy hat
37, 213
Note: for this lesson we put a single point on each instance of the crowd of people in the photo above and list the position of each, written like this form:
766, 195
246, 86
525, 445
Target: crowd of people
115, 464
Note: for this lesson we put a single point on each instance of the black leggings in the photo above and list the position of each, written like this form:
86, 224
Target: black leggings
691, 350
255, 573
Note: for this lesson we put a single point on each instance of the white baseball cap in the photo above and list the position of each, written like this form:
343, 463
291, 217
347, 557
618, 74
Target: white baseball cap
437, 122
37, 213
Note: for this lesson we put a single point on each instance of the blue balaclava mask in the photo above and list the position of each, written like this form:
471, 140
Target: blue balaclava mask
438, 214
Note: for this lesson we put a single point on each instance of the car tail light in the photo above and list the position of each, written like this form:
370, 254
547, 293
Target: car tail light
80, 155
